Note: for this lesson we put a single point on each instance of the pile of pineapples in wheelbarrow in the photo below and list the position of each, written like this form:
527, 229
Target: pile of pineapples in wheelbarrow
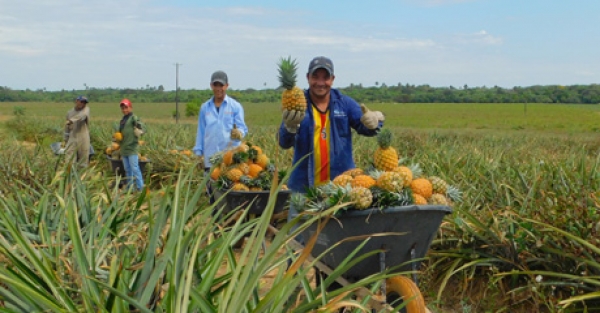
244, 175
398, 207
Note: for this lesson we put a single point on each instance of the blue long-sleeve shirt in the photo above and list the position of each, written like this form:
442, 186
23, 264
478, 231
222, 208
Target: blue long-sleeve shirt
214, 127
344, 115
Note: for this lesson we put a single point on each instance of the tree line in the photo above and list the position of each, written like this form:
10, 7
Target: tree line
400, 93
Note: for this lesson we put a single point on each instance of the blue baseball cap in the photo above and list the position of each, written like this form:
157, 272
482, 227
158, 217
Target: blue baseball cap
82, 99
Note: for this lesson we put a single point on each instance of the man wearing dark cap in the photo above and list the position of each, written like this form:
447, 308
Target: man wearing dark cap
77, 133
221, 122
325, 130
322, 136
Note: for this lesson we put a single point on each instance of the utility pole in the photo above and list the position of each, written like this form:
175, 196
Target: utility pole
177, 92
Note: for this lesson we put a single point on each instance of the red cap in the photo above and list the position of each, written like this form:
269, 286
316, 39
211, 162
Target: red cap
126, 103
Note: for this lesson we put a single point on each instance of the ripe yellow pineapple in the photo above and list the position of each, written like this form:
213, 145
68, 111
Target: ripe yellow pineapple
117, 136
292, 98
439, 185
390, 181
239, 187
422, 186
438, 199
385, 157
362, 197
234, 174
406, 174
363, 181
354, 172
342, 180
254, 170
419, 200
262, 160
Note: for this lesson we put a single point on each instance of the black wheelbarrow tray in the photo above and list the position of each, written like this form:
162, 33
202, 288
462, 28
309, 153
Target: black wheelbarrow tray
118, 168
413, 228
254, 201
417, 223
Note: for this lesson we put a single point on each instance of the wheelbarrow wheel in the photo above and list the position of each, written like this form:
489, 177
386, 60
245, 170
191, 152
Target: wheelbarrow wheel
399, 289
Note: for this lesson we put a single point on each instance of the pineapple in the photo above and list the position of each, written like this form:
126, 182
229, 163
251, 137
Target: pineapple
117, 136
292, 98
439, 185
419, 200
385, 157
390, 181
362, 197
239, 187
254, 170
406, 174
354, 172
363, 181
262, 160
216, 172
342, 180
234, 174
422, 186
438, 199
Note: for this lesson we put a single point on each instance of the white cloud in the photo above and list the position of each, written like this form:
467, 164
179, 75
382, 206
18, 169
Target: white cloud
480, 37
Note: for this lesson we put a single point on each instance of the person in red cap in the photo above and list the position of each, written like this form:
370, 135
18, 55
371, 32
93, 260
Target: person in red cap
132, 129
76, 137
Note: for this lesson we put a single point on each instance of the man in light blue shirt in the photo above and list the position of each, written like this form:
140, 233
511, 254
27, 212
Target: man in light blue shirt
216, 120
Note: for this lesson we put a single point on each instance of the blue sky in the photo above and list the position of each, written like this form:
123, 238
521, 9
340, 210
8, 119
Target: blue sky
64, 44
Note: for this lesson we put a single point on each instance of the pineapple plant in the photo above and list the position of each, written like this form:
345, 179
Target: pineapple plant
292, 98
385, 157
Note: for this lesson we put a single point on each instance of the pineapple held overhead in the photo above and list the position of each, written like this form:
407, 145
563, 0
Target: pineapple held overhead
292, 98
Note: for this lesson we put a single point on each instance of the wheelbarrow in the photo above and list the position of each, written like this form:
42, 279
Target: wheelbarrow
413, 228
119, 169
253, 201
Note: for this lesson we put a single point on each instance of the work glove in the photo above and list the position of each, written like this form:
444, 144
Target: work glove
138, 132
236, 134
292, 119
370, 118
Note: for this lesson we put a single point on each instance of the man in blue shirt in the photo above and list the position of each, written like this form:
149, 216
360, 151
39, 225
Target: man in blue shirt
216, 120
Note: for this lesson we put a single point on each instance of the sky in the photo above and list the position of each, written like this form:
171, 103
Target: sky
71, 44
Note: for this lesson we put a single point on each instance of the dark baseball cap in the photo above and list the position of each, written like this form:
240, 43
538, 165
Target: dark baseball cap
320, 62
82, 99
218, 76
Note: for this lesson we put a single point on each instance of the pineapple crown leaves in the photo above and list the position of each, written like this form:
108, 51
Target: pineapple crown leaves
287, 72
416, 170
454, 193
240, 157
384, 138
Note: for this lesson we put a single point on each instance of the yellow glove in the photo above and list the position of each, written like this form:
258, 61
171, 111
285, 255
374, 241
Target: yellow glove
370, 118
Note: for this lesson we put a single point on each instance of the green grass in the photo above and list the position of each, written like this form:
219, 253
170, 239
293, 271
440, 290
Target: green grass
539, 118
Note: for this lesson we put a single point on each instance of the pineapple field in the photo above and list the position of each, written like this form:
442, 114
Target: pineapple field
523, 183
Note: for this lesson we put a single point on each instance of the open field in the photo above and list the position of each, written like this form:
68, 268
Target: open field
525, 237
549, 118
